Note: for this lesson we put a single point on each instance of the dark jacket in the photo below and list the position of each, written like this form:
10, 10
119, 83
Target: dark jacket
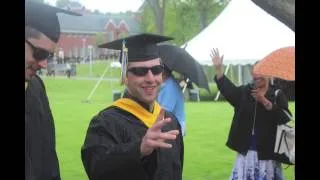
41, 162
112, 149
266, 122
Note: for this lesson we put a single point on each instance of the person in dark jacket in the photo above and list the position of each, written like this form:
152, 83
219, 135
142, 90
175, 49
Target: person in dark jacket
257, 112
41, 161
135, 138
42, 32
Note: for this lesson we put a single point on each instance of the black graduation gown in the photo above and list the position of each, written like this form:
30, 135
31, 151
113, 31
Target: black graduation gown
111, 150
41, 162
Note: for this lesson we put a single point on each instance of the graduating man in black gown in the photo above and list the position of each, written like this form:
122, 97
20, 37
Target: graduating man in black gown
42, 32
135, 138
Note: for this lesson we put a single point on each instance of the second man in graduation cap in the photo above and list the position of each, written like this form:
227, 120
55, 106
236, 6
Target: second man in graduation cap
135, 138
42, 32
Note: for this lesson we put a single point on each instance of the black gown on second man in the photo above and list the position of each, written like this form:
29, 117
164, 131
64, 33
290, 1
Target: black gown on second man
41, 161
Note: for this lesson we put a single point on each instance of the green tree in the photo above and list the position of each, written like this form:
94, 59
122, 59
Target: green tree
186, 22
96, 11
62, 3
147, 21
158, 9
207, 9
171, 24
99, 38
170, 18
41, 1
189, 19
122, 35
181, 18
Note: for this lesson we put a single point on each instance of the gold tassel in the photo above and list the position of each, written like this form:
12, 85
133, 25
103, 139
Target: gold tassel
124, 64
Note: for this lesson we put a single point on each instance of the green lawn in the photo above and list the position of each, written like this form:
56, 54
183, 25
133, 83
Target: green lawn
97, 69
206, 156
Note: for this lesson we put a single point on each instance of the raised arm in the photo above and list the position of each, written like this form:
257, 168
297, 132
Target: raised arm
231, 92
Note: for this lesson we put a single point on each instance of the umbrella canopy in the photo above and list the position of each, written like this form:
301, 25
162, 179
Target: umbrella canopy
280, 64
179, 60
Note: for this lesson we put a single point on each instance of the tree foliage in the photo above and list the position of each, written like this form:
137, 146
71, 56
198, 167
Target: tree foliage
62, 3
182, 19
97, 12
158, 10
206, 10
99, 38
41, 1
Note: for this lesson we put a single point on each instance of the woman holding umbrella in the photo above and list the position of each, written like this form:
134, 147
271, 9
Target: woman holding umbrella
258, 111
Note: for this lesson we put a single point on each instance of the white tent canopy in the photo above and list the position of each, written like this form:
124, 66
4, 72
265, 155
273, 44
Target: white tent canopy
243, 32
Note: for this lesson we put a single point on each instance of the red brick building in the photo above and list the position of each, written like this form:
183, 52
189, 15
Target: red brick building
79, 32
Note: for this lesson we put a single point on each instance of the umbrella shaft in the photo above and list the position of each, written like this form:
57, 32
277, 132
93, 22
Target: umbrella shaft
185, 86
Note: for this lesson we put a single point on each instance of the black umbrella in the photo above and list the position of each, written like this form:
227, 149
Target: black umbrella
179, 60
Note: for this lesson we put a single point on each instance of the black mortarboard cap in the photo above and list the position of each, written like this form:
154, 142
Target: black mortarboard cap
141, 47
44, 18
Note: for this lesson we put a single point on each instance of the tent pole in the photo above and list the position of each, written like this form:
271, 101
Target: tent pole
97, 84
185, 85
239, 75
225, 73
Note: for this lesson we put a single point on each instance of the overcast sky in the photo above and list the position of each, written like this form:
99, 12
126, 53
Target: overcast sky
104, 6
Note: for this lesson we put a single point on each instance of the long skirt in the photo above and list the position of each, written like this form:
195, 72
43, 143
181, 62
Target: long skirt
248, 167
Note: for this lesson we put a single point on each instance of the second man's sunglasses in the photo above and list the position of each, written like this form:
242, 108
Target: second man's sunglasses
142, 71
39, 53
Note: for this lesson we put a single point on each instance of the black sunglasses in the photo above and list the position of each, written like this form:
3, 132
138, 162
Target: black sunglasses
39, 53
142, 71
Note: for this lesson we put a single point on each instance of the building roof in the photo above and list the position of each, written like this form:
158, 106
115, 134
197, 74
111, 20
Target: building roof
93, 23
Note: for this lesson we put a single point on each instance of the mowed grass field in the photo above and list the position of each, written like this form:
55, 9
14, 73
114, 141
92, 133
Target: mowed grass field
97, 69
206, 156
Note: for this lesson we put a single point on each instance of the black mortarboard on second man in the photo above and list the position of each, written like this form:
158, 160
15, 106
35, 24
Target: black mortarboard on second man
141, 47
44, 18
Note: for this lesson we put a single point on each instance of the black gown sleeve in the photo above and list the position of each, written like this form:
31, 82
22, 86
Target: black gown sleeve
40, 145
105, 154
55, 169
231, 92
